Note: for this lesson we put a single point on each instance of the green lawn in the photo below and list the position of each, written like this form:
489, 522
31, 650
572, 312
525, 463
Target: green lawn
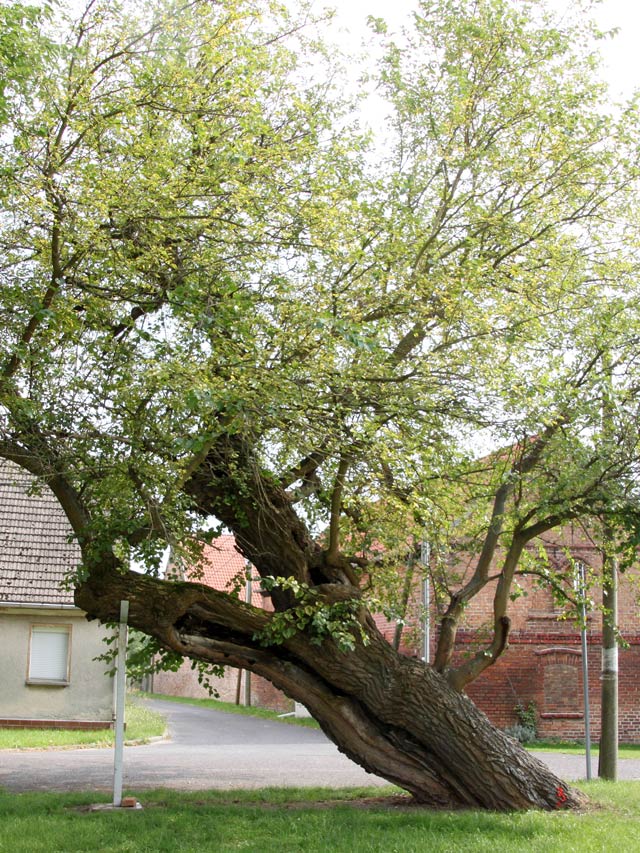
624, 751
142, 724
310, 821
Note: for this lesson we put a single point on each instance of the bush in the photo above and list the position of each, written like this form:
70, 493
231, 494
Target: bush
525, 734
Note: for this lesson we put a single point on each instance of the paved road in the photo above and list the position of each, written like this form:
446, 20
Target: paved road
211, 749
207, 749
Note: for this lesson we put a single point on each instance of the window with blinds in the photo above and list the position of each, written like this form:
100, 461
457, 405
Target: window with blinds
49, 654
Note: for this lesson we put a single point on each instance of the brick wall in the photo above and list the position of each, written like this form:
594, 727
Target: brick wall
543, 663
547, 670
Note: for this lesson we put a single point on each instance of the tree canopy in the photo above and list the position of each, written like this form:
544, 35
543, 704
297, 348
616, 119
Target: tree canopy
221, 300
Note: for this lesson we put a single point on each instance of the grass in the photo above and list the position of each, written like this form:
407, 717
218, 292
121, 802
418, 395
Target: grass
573, 748
310, 821
142, 724
231, 708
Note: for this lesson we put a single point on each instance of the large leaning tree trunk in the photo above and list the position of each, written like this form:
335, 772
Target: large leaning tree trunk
393, 715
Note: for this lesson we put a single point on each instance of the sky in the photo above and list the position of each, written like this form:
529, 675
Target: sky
621, 55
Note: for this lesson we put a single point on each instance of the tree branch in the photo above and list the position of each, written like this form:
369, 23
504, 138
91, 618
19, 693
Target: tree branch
333, 549
306, 468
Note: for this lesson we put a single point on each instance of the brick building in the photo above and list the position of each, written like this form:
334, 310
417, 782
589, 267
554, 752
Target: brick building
543, 663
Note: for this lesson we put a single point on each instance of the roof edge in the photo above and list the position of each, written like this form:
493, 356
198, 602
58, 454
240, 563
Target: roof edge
32, 605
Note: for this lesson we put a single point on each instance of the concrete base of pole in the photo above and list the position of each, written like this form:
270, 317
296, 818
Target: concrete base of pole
128, 804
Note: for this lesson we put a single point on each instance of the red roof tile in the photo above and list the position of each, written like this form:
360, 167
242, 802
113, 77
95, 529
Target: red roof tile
223, 566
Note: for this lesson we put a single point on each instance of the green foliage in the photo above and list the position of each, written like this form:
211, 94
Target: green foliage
207, 269
23, 50
337, 621
528, 716
146, 655
523, 734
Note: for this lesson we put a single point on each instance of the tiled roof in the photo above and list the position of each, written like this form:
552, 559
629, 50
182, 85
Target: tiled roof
222, 566
35, 554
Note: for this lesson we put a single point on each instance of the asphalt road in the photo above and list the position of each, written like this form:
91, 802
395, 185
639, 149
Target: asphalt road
206, 749
211, 749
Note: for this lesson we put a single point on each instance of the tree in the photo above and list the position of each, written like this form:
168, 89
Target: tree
22, 49
217, 304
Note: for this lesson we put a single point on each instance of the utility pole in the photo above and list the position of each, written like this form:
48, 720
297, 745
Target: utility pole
608, 764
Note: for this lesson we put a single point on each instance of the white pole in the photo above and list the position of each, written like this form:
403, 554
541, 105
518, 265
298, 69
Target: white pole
247, 674
121, 683
425, 555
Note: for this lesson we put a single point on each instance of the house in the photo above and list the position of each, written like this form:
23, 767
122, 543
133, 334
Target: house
50, 677
542, 667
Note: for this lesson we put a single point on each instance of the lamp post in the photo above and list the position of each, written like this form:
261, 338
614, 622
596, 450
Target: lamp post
580, 583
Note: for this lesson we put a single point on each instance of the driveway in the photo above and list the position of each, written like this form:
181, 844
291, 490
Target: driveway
212, 749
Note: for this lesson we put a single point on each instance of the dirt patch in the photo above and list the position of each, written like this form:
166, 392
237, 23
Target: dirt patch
391, 802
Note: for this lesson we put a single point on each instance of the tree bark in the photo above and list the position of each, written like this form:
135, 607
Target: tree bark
393, 715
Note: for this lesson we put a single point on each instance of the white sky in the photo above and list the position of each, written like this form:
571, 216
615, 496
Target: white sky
621, 55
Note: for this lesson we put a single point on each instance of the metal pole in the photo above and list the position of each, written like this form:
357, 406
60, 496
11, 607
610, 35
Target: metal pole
585, 667
425, 555
121, 684
247, 674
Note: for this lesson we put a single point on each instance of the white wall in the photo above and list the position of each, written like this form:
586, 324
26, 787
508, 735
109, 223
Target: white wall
89, 693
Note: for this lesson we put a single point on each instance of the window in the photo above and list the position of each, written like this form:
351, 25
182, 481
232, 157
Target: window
561, 688
49, 654
561, 680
